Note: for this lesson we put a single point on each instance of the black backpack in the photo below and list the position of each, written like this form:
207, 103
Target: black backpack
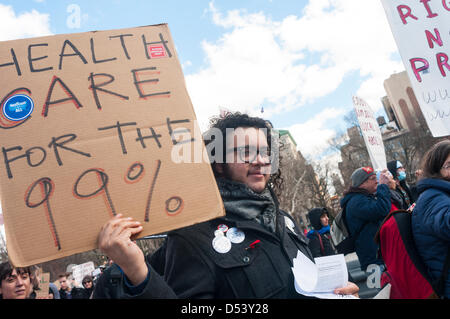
343, 241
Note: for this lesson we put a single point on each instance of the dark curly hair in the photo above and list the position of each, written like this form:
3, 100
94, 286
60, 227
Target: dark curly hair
236, 120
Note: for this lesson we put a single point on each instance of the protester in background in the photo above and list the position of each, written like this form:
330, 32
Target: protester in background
397, 201
246, 254
66, 291
65, 288
366, 204
431, 216
15, 283
86, 291
53, 292
320, 242
399, 173
88, 288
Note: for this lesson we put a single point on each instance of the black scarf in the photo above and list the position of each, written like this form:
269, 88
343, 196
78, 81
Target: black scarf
397, 199
240, 200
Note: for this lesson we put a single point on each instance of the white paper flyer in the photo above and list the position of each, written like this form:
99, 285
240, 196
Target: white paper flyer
321, 278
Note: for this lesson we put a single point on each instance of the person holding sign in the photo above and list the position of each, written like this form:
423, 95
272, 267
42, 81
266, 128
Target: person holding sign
367, 202
42, 287
246, 254
88, 288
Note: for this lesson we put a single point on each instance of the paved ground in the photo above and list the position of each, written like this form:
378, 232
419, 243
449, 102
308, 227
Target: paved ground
359, 277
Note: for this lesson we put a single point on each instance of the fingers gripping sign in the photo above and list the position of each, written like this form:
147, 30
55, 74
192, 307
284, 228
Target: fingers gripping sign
115, 241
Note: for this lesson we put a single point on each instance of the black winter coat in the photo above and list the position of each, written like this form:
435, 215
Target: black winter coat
82, 293
192, 268
321, 246
75, 293
398, 200
364, 214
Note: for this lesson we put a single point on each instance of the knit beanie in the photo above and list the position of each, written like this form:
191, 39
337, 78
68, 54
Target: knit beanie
360, 175
314, 217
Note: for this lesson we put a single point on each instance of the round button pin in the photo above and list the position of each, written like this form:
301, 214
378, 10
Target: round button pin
223, 228
18, 107
235, 235
221, 244
218, 233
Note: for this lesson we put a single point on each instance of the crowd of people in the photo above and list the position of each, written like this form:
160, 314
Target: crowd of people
248, 253
24, 283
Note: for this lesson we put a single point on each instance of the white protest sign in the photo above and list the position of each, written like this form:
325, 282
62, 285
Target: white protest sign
420, 29
79, 271
371, 133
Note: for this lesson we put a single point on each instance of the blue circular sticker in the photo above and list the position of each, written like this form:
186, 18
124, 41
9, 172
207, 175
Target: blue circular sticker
18, 107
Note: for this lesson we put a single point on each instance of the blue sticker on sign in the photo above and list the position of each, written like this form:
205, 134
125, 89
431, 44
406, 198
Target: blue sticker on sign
18, 107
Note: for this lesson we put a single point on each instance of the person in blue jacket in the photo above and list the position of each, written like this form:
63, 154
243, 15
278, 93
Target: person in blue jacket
402, 189
320, 242
366, 203
431, 216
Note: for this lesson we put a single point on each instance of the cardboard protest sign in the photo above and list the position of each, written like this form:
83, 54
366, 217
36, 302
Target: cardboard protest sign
91, 125
371, 133
44, 284
420, 29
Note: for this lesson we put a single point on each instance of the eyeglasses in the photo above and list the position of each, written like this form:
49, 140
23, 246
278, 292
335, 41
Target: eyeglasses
248, 154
